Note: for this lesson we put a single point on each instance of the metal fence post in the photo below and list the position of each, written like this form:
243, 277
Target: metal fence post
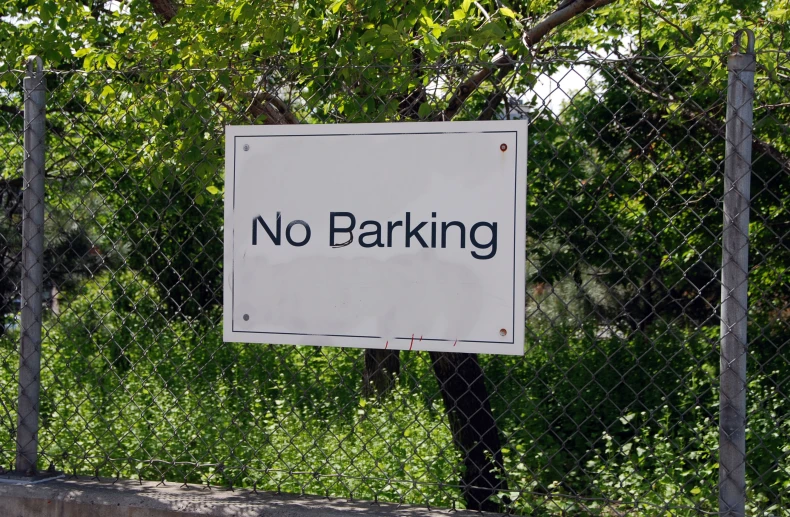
734, 275
32, 269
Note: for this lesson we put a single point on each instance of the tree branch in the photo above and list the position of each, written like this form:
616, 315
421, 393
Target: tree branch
506, 63
674, 25
773, 106
560, 16
494, 98
12, 110
165, 9
272, 108
704, 119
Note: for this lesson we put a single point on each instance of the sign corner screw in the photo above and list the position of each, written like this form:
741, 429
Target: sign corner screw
503, 147
247, 147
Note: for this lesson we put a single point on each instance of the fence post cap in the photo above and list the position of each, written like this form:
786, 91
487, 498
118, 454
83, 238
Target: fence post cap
35, 66
736, 44
738, 60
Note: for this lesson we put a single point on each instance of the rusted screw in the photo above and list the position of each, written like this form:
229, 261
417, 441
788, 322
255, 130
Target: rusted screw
503, 332
503, 147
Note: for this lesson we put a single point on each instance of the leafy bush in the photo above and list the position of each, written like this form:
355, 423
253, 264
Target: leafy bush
594, 422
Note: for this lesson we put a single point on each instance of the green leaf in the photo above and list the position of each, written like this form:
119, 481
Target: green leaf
494, 29
156, 178
111, 62
154, 35
83, 52
431, 39
237, 11
465, 6
779, 14
47, 11
212, 190
425, 110
505, 11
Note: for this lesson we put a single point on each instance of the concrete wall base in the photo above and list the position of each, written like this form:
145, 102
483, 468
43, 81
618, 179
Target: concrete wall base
92, 498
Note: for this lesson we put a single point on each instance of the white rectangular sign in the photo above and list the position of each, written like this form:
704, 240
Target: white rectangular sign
400, 236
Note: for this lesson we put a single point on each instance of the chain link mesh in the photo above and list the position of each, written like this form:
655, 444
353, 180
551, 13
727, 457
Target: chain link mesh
613, 409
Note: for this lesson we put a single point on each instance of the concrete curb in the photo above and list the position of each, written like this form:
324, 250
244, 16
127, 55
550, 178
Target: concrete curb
89, 497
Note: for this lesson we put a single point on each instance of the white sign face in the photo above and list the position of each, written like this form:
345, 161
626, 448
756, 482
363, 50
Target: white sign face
407, 236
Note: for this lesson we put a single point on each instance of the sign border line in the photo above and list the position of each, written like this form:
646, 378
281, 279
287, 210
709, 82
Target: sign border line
515, 214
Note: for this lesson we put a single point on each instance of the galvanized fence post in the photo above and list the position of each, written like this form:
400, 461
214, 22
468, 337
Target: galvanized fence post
734, 275
32, 269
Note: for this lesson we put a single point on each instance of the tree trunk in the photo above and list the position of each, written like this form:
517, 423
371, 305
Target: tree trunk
382, 368
474, 429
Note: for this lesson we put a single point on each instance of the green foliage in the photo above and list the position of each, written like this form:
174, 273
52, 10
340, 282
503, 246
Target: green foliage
128, 393
592, 422
612, 410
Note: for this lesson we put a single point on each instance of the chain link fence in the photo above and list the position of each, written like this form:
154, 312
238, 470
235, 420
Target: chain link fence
614, 409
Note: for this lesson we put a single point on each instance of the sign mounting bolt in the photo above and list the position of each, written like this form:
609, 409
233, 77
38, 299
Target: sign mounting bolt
503, 332
246, 317
247, 147
503, 147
